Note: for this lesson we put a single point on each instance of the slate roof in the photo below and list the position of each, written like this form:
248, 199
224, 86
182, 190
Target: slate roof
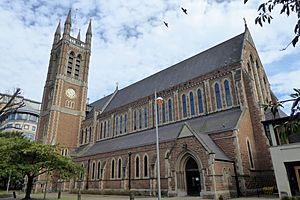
98, 105
216, 57
203, 125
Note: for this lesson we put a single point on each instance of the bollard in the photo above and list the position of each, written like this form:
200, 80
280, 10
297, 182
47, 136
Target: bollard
14, 195
131, 195
79, 195
59, 194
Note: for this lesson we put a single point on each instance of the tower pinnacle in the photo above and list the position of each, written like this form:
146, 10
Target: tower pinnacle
57, 33
67, 28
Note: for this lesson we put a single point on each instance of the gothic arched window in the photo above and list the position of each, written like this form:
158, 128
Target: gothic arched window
137, 167
117, 123
77, 66
104, 131
163, 112
184, 110
93, 170
145, 166
101, 130
98, 170
227, 93
170, 110
70, 64
86, 135
134, 120
81, 137
145, 117
192, 105
250, 154
218, 96
200, 101
121, 124
90, 134
125, 123
113, 169
119, 168
140, 119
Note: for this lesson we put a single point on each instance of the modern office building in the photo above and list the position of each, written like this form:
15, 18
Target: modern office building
24, 119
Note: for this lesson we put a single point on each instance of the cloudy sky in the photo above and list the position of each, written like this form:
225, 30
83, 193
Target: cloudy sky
130, 41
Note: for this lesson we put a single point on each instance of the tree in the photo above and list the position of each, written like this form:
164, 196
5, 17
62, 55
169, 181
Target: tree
292, 125
287, 6
28, 158
10, 103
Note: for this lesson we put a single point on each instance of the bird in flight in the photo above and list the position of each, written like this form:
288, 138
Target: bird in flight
166, 24
184, 10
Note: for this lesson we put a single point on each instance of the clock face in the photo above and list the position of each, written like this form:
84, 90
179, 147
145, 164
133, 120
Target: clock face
71, 93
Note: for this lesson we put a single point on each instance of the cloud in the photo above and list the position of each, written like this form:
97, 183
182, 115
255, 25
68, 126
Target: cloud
129, 40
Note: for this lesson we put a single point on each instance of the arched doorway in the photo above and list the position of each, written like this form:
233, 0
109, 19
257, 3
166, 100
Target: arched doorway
193, 183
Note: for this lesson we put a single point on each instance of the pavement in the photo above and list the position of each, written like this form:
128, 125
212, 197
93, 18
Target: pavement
113, 197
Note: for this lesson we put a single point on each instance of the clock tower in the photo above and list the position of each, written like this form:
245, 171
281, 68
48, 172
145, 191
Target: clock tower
65, 90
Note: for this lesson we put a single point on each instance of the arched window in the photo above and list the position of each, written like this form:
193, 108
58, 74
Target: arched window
137, 167
98, 170
93, 171
81, 137
121, 124
77, 66
113, 169
146, 166
86, 135
227, 93
192, 105
70, 64
101, 130
163, 112
145, 117
140, 119
90, 134
200, 101
117, 122
250, 154
218, 96
157, 110
119, 168
170, 110
108, 128
134, 120
104, 131
184, 112
125, 123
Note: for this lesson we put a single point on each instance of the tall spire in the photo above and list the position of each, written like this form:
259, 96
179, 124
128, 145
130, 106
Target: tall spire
88, 35
57, 33
89, 30
67, 28
78, 36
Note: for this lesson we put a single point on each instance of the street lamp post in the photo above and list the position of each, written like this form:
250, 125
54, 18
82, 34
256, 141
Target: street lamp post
158, 101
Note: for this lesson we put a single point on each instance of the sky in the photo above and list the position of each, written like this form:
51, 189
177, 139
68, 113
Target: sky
131, 42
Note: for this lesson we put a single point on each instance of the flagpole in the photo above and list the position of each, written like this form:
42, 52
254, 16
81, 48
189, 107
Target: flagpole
157, 148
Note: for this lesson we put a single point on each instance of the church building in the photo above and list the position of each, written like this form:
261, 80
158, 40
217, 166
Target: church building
211, 139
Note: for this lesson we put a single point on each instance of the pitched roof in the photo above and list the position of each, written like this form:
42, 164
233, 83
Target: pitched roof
216, 57
203, 125
98, 105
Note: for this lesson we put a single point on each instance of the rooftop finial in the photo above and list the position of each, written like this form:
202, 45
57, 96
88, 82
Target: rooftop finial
117, 85
246, 27
58, 31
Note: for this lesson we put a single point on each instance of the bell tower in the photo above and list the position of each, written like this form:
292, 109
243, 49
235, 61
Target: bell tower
65, 90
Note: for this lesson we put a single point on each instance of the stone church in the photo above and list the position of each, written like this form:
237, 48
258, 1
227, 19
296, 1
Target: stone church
211, 139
